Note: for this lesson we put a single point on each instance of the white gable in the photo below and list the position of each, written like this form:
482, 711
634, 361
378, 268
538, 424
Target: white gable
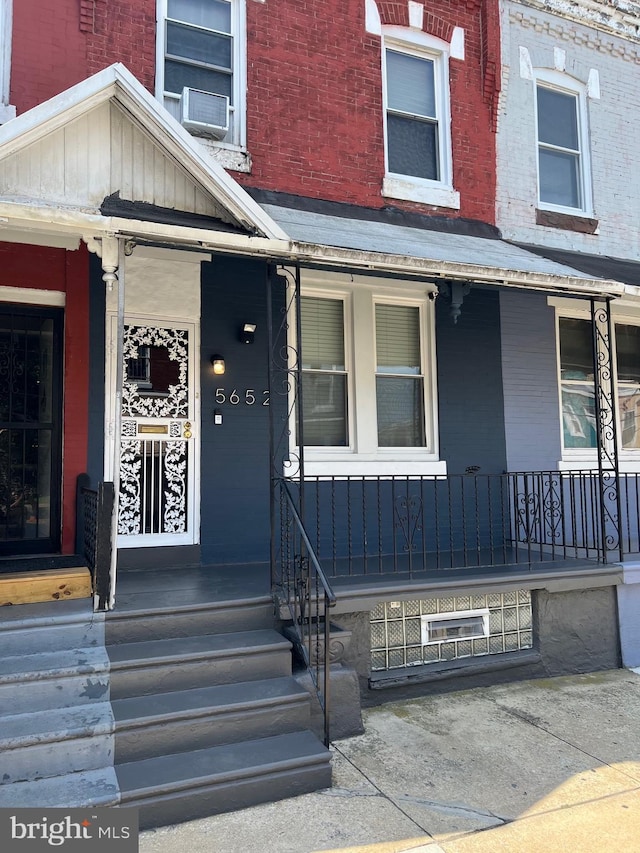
108, 135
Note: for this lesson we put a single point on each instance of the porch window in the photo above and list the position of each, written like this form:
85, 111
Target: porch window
578, 387
399, 381
324, 375
577, 381
368, 377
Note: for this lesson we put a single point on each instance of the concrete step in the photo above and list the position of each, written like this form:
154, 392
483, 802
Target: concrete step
58, 679
30, 628
72, 790
56, 742
208, 716
184, 786
130, 624
165, 666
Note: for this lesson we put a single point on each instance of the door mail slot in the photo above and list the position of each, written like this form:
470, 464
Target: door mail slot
154, 429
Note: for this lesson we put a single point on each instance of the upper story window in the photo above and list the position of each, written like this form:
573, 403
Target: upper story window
417, 118
368, 378
201, 47
563, 161
6, 111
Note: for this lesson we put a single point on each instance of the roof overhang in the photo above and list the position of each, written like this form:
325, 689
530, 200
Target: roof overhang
363, 244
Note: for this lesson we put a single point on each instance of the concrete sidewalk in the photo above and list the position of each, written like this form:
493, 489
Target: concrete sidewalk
537, 766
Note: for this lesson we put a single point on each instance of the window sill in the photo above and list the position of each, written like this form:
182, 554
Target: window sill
381, 466
424, 192
228, 156
627, 464
567, 221
7, 112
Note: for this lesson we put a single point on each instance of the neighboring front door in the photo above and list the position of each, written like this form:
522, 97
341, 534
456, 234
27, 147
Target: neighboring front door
30, 429
159, 449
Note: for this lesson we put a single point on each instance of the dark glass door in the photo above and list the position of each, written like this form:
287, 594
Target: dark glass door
30, 429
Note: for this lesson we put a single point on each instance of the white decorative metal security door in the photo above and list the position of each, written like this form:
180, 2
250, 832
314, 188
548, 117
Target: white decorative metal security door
158, 441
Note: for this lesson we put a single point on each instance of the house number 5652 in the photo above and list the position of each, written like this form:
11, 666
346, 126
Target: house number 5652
249, 397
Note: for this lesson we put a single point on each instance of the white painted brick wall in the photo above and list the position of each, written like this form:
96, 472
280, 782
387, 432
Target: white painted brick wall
614, 127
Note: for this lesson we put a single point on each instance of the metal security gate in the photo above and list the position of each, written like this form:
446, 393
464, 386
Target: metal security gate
30, 429
158, 437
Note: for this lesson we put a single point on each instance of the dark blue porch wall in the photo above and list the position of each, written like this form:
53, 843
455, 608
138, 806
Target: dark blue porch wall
235, 456
530, 375
470, 416
97, 301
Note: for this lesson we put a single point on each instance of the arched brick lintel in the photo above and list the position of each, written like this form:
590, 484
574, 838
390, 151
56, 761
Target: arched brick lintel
396, 13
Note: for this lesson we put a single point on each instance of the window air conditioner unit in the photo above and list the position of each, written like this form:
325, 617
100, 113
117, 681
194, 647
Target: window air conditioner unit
204, 113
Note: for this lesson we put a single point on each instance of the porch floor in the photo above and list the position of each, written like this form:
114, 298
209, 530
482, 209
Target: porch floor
137, 589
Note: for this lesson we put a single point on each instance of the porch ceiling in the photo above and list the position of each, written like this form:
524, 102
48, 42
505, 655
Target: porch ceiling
364, 243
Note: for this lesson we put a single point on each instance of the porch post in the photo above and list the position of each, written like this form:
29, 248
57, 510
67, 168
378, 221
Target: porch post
606, 431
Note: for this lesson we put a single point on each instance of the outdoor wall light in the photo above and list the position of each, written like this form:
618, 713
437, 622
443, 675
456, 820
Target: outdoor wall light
248, 333
217, 362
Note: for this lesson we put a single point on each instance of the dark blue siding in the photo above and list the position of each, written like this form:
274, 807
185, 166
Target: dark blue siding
235, 455
471, 405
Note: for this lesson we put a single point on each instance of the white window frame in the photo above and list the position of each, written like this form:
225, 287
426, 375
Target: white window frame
235, 141
6, 28
587, 457
566, 85
362, 456
407, 187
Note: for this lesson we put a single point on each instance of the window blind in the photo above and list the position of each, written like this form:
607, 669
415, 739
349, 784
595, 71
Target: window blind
322, 333
398, 339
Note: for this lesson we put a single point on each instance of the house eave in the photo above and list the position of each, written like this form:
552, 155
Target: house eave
451, 270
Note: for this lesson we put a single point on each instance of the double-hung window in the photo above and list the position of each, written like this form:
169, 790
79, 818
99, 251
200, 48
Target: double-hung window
201, 47
368, 378
578, 385
562, 157
417, 119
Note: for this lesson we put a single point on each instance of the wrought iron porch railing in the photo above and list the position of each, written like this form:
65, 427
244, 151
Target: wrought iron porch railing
95, 519
420, 525
307, 593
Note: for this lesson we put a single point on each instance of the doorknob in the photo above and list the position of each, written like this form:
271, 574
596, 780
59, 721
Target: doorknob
186, 429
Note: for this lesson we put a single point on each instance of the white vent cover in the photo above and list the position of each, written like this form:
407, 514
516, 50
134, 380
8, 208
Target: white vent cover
204, 113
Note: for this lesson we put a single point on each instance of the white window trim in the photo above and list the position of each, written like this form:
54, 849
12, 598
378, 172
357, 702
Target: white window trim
363, 457
586, 458
440, 193
569, 86
6, 26
235, 147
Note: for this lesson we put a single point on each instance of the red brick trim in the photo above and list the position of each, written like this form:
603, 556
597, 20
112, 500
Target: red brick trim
87, 16
396, 14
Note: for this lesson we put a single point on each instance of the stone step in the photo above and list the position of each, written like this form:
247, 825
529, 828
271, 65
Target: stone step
164, 666
56, 742
179, 787
58, 679
130, 624
30, 628
208, 716
71, 790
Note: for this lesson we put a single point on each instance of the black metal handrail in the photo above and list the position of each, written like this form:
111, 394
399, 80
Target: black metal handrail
308, 595
95, 520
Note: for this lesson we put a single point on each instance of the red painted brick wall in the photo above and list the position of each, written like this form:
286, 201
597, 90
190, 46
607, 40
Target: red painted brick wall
315, 100
68, 272
48, 50
314, 86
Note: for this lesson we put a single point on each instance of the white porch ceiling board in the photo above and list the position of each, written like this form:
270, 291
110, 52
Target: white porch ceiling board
142, 171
